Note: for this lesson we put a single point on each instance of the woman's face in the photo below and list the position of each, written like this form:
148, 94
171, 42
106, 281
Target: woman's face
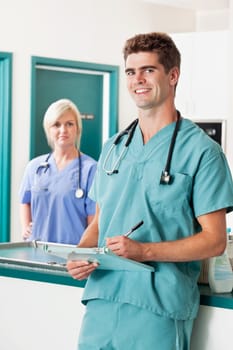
63, 133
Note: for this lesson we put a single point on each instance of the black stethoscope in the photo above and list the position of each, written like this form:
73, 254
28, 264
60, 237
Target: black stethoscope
166, 177
79, 193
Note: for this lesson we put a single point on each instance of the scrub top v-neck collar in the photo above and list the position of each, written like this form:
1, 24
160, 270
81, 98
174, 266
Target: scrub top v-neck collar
138, 149
70, 165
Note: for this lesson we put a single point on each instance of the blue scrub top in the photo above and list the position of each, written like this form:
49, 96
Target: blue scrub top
57, 215
202, 184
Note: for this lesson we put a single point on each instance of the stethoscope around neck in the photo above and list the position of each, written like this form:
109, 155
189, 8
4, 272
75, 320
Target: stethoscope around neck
166, 177
79, 193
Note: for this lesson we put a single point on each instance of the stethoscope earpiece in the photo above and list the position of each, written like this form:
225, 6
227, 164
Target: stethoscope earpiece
112, 172
44, 165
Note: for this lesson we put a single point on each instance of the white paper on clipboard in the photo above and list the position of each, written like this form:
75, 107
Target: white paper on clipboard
107, 260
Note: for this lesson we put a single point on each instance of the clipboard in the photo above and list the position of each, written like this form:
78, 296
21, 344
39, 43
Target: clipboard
107, 260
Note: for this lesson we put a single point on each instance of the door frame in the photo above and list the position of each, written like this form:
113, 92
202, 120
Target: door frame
5, 132
113, 88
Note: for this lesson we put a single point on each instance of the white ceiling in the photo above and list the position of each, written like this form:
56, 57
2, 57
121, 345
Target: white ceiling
198, 5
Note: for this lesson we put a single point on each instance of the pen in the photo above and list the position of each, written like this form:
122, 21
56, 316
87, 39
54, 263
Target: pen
133, 229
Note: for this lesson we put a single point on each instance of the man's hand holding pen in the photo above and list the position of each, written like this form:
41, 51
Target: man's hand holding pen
126, 247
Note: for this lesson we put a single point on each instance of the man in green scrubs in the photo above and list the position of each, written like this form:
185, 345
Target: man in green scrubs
183, 210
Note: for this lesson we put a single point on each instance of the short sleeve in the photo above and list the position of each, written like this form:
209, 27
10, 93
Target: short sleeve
213, 186
25, 187
90, 203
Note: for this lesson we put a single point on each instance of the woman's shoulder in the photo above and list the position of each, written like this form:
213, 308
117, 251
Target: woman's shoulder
89, 164
88, 159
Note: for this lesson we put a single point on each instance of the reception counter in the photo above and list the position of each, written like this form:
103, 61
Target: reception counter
40, 304
41, 309
214, 324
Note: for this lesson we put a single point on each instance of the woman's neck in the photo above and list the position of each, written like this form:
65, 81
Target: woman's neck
64, 157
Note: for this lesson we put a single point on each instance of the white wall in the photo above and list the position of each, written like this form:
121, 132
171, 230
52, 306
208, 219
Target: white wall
212, 20
90, 30
204, 91
229, 133
230, 119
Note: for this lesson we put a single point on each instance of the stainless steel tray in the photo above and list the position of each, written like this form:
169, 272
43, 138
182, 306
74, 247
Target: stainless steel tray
35, 254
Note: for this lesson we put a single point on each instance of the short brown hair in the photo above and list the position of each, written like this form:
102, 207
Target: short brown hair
161, 43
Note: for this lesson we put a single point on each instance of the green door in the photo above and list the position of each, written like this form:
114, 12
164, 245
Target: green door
5, 146
85, 88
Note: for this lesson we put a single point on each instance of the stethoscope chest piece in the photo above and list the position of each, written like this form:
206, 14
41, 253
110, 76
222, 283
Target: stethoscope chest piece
166, 178
79, 193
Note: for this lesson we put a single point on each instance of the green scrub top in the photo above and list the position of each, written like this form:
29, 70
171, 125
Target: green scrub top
202, 183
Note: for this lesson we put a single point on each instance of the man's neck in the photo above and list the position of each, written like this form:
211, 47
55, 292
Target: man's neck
151, 121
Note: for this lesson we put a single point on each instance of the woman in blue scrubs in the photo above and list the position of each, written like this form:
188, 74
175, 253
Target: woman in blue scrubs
55, 206
182, 201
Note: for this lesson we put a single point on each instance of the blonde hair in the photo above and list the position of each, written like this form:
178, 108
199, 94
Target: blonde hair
55, 111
